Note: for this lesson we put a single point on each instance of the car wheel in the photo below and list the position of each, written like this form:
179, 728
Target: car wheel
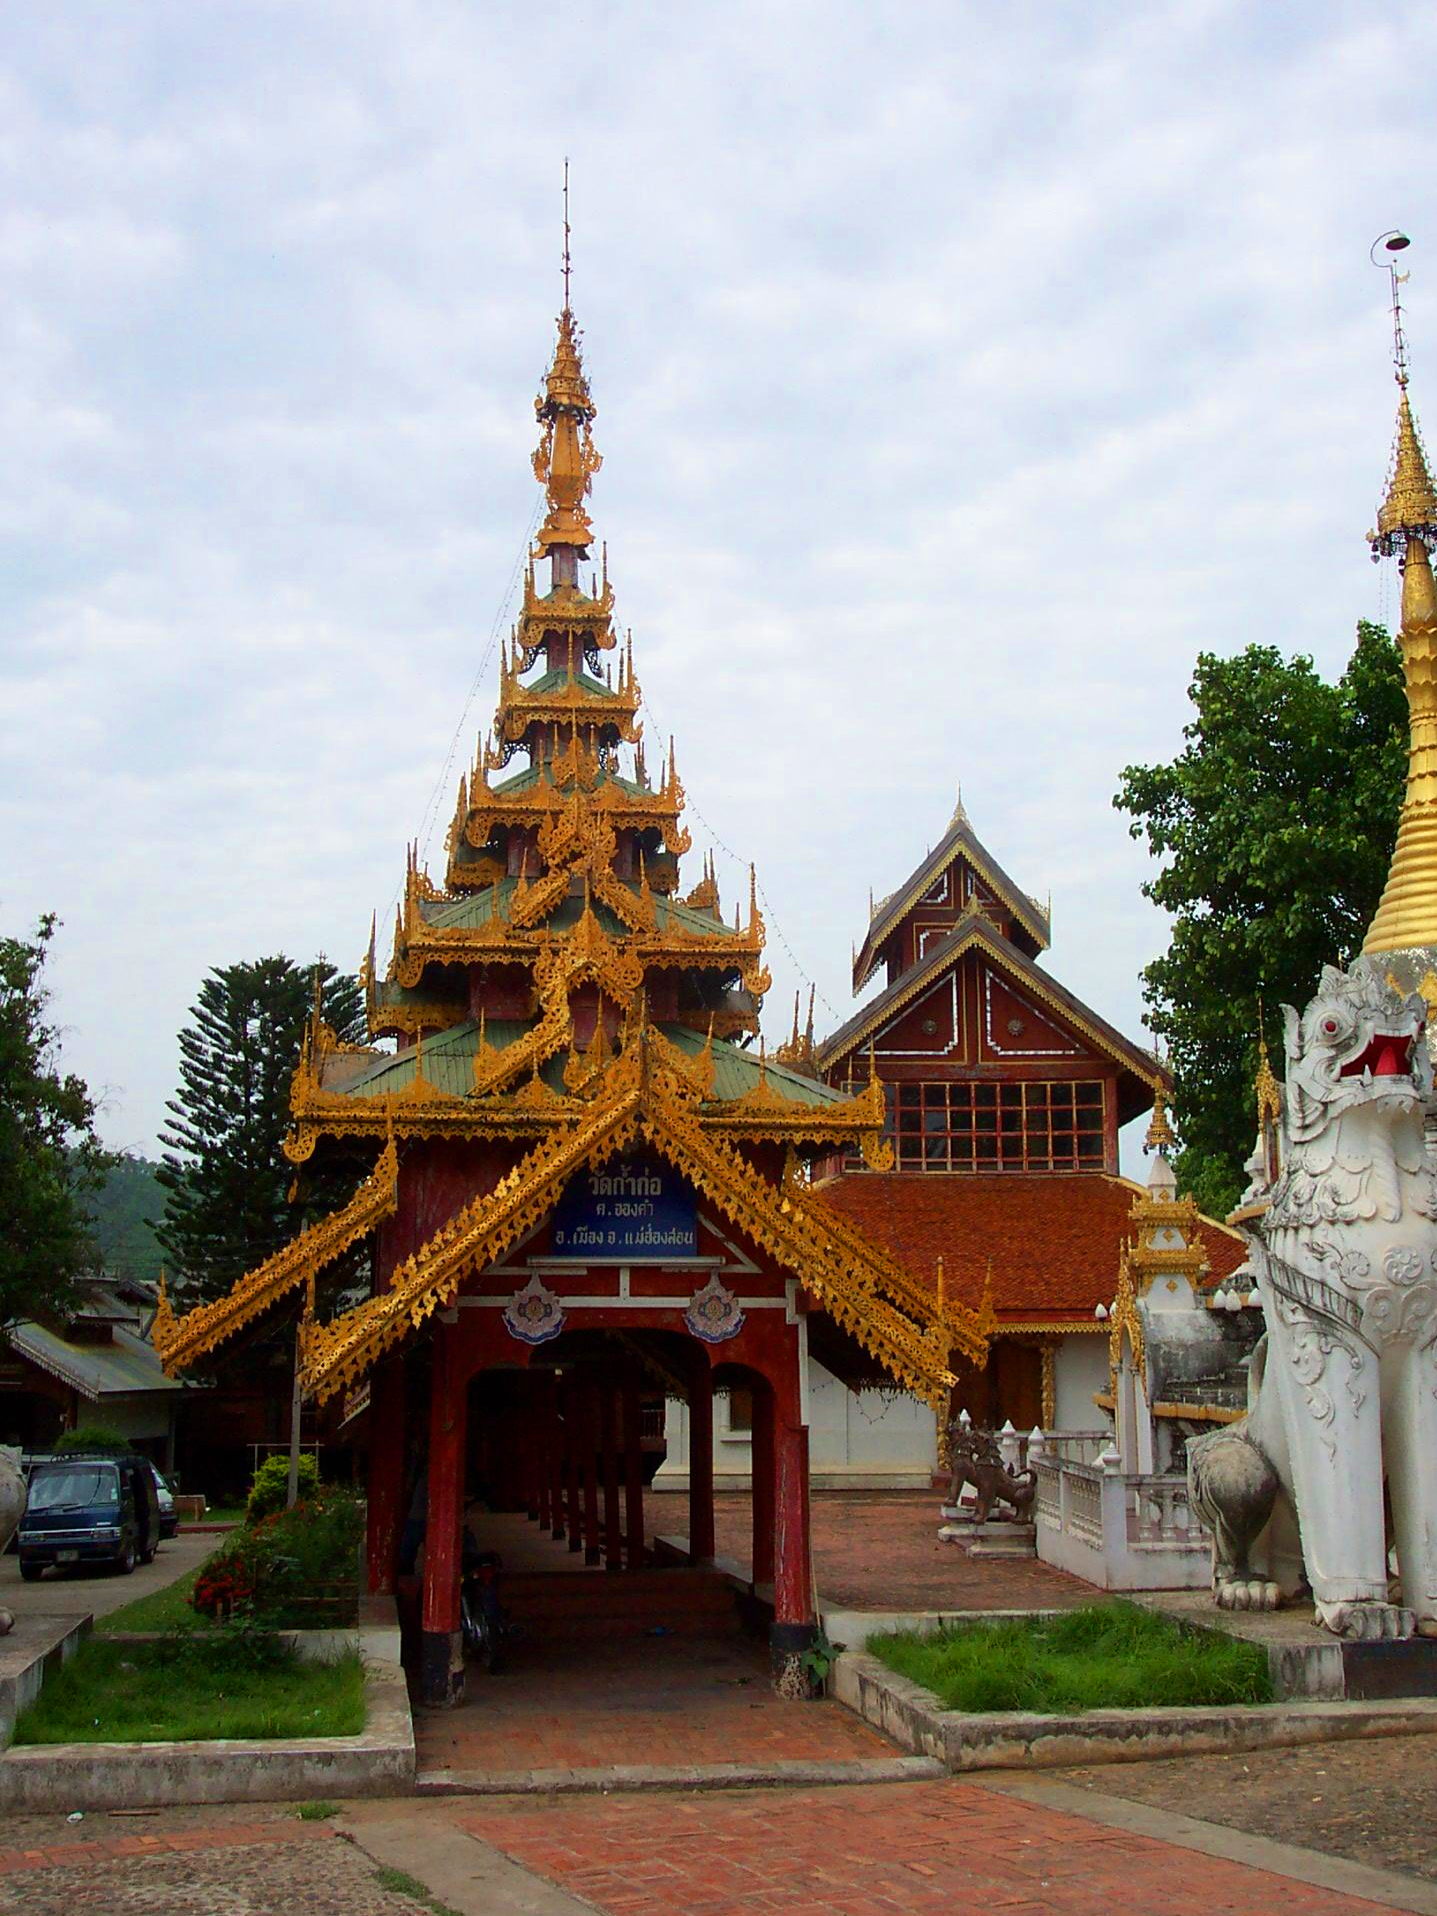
31, 1571
127, 1560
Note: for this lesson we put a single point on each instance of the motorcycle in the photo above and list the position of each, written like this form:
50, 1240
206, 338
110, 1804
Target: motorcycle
481, 1615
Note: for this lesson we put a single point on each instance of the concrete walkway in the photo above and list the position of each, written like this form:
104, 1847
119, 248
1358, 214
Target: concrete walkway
77, 1593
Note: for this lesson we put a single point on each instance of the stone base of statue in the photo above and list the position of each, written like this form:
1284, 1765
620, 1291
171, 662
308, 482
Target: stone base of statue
993, 1537
1306, 1662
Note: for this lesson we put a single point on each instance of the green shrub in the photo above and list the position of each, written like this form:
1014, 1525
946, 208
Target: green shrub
270, 1488
1104, 1656
91, 1437
283, 1572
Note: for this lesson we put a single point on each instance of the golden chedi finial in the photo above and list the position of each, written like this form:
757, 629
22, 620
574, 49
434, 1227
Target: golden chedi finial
566, 458
1160, 1136
1407, 529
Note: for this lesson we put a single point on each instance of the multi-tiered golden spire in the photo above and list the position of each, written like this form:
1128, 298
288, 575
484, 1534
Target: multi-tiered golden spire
566, 458
1407, 527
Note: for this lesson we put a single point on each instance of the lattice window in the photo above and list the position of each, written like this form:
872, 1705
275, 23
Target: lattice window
1042, 1126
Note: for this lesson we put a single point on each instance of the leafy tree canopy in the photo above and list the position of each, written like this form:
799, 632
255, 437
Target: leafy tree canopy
50, 1157
1275, 826
123, 1213
225, 1175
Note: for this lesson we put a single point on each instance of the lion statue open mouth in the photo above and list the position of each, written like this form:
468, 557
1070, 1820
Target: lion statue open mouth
1342, 1393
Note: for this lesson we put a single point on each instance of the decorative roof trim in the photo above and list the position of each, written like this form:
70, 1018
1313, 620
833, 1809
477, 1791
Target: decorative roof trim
960, 837
975, 930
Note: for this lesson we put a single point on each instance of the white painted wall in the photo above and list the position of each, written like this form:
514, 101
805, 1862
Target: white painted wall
870, 1439
1080, 1368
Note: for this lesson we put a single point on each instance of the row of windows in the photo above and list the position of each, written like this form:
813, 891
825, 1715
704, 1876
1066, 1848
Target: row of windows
1043, 1126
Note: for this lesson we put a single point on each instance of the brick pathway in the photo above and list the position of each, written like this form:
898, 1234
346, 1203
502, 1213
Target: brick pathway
874, 1851
587, 1703
879, 1550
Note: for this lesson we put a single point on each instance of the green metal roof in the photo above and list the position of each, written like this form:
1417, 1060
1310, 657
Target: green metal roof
737, 1071
556, 681
482, 907
449, 1065
127, 1366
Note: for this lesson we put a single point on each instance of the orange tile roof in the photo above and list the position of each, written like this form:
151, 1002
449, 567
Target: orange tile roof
1054, 1240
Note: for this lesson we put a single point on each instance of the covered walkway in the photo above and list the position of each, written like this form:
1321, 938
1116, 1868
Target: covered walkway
649, 1670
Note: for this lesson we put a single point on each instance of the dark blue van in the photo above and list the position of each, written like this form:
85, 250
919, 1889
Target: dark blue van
89, 1510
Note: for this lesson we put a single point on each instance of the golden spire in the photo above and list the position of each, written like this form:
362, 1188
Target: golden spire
566, 459
1160, 1132
1407, 527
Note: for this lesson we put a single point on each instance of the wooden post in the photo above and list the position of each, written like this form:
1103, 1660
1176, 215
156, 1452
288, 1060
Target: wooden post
442, 1650
701, 1462
573, 1439
792, 1630
543, 1445
761, 1454
589, 1441
633, 1474
385, 1513
613, 1523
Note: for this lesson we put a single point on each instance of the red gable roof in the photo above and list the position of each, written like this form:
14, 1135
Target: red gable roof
1054, 1241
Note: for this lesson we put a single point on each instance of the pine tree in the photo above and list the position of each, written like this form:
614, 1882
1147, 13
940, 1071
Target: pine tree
226, 1177
50, 1157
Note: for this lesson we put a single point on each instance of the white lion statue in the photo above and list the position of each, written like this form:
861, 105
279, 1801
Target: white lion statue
1342, 1397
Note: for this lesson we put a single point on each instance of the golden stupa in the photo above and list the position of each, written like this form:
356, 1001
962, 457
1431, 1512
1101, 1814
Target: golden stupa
1406, 918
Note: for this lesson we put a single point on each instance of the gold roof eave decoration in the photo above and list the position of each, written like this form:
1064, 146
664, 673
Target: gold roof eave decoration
181, 1342
646, 1096
506, 1098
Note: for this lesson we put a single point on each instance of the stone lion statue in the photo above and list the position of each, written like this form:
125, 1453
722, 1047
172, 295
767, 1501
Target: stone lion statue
1342, 1391
12, 1508
977, 1460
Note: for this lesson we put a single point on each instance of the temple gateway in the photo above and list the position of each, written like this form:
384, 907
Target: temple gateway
585, 1188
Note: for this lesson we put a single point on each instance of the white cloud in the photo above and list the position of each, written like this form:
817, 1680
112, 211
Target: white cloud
960, 377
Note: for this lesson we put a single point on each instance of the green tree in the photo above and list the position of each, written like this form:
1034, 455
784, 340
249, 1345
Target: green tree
1275, 826
124, 1211
226, 1178
50, 1157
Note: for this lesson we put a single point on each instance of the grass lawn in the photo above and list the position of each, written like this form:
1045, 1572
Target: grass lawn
184, 1689
167, 1609
1106, 1656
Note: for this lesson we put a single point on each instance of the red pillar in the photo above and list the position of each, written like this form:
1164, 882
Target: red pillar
609, 1445
792, 1630
573, 1419
386, 1473
701, 1463
557, 1478
761, 1454
589, 1463
442, 1654
543, 1443
633, 1475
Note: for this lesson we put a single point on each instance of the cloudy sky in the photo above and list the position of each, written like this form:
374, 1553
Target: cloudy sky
962, 372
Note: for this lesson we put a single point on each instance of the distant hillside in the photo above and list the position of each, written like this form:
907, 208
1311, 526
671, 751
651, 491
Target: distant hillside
123, 1210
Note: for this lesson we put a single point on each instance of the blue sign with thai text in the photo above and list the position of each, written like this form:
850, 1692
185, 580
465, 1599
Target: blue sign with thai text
629, 1212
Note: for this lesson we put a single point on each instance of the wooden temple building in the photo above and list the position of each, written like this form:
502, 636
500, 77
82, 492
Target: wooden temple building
1003, 1095
584, 1180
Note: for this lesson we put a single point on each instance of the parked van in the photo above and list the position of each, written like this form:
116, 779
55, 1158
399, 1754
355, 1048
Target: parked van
96, 1510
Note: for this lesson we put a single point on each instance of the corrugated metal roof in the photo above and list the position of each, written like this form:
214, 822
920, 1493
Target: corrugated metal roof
119, 1369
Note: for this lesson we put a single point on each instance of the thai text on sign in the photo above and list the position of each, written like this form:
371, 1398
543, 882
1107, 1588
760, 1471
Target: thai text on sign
626, 1213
